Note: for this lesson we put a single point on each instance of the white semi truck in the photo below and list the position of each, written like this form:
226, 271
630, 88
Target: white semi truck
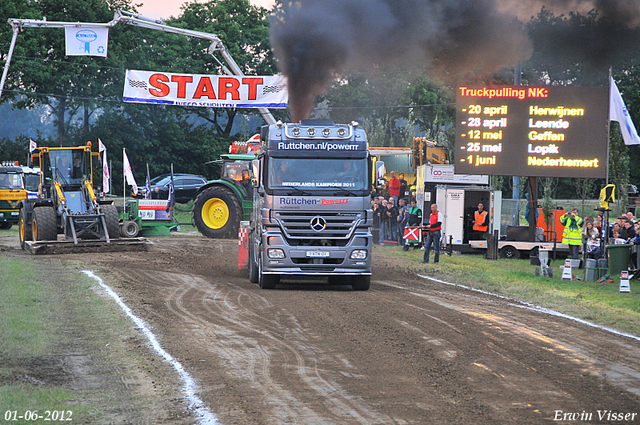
312, 211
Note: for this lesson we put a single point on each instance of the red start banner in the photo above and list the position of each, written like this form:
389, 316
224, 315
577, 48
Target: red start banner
210, 91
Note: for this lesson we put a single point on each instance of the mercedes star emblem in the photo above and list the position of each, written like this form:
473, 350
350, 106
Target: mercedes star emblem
318, 224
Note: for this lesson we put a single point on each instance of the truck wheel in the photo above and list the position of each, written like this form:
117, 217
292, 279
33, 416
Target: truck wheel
111, 218
24, 230
129, 229
510, 252
266, 281
253, 267
44, 224
217, 212
5, 226
361, 283
339, 280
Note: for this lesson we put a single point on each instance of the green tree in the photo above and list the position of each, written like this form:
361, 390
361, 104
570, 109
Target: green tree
628, 82
67, 85
578, 49
377, 99
244, 30
619, 169
434, 111
584, 188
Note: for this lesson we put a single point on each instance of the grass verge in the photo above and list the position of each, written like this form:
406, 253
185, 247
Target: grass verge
31, 336
65, 347
599, 303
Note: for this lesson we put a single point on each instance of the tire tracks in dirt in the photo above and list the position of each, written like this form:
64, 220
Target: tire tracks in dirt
405, 352
246, 331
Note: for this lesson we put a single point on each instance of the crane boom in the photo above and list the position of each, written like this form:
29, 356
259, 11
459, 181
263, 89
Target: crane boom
139, 21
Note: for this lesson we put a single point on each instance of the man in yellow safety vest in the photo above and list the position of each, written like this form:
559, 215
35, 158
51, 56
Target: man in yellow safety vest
572, 234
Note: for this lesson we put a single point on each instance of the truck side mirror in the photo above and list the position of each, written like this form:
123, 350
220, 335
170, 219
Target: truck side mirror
255, 167
380, 171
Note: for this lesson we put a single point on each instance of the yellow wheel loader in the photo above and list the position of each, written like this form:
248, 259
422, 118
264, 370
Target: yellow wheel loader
67, 205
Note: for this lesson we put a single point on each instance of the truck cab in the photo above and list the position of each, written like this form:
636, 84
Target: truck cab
12, 191
312, 204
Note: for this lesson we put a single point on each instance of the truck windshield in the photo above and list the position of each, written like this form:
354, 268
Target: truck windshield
10, 181
318, 174
32, 182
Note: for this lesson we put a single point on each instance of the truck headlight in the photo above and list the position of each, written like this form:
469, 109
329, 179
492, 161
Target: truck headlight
358, 254
275, 253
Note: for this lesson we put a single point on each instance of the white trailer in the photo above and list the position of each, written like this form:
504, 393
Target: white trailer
457, 197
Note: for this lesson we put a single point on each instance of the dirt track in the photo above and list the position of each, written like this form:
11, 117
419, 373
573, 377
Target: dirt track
408, 351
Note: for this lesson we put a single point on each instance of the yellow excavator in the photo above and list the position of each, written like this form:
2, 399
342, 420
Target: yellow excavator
425, 151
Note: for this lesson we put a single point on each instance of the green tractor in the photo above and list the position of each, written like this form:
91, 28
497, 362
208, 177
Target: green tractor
220, 205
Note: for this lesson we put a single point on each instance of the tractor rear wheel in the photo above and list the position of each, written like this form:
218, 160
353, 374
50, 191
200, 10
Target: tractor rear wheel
44, 224
111, 218
24, 229
217, 212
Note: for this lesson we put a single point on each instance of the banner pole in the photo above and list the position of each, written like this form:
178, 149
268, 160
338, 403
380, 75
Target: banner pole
124, 184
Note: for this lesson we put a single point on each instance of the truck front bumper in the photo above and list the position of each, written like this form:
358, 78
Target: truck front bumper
317, 261
9, 216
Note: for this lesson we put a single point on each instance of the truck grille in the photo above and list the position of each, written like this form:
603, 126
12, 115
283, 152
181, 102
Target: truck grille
298, 225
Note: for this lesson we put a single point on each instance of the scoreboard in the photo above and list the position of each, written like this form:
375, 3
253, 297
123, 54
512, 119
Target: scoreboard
532, 131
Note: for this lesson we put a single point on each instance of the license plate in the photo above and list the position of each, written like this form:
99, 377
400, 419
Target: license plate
15, 213
316, 254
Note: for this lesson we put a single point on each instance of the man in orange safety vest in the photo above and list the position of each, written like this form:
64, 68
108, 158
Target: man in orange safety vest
480, 223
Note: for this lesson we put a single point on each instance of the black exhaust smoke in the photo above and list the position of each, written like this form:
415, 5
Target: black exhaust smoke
315, 41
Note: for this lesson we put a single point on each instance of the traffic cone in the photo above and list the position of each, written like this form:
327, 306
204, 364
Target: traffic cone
566, 270
624, 282
243, 247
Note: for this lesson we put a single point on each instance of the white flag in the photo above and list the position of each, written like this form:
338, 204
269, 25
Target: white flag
105, 173
101, 147
128, 173
32, 146
86, 41
618, 112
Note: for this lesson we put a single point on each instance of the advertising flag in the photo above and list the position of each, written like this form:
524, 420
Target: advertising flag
86, 41
106, 187
209, 91
172, 192
618, 112
147, 192
128, 174
32, 146
101, 147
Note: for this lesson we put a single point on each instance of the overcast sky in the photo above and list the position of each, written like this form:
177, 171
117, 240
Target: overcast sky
165, 8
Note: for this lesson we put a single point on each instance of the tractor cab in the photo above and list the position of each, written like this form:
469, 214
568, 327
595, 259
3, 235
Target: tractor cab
68, 168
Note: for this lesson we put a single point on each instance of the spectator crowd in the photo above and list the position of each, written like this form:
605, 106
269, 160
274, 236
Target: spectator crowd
591, 233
